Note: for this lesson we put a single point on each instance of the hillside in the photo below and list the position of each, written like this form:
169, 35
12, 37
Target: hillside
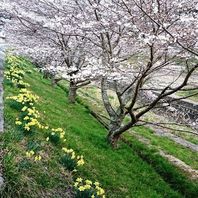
122, 172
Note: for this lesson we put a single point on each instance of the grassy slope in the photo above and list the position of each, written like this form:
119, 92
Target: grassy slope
24, 178
188, 156
122, 172
164, 143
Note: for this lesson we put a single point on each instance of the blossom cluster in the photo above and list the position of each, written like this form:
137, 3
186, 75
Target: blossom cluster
88, 189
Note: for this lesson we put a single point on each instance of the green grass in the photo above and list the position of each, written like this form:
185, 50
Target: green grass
122, 172
188, 156
185, 154
23, 177
161, 166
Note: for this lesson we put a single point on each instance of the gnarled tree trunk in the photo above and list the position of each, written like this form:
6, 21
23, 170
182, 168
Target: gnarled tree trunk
116, 129
112, 137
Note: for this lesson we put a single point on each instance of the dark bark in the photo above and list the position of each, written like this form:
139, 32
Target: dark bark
73, 87
112, 137
47, 75
54, 81
72, 92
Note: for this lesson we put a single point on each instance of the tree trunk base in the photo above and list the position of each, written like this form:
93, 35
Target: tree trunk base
72, 92
72, 95
113, 140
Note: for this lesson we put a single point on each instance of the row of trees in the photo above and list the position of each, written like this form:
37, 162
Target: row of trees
126, 43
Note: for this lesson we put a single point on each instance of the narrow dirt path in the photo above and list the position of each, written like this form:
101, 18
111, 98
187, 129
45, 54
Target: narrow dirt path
179, 140
192, 173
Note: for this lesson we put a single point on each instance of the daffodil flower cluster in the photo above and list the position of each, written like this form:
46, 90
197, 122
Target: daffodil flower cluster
56, 135
25, 97
31, 154
29, 123
29, 115
60, 131
22, 84
29, 118
88, 189
79, 158
15, 74
13, 60
70, 160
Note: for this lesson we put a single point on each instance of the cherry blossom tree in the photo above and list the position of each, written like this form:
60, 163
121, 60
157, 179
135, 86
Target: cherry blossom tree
49, 35
133, 46
160, 32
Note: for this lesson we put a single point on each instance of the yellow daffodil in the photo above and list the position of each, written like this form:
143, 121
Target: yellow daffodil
79, 179
18, 123
26, 118
100, 191
30, 153
96, 183
62, 135
27, 128
64, 149
88, 182
87, 186
73, 155
80, 161
37, 158
81, 188
24, 108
